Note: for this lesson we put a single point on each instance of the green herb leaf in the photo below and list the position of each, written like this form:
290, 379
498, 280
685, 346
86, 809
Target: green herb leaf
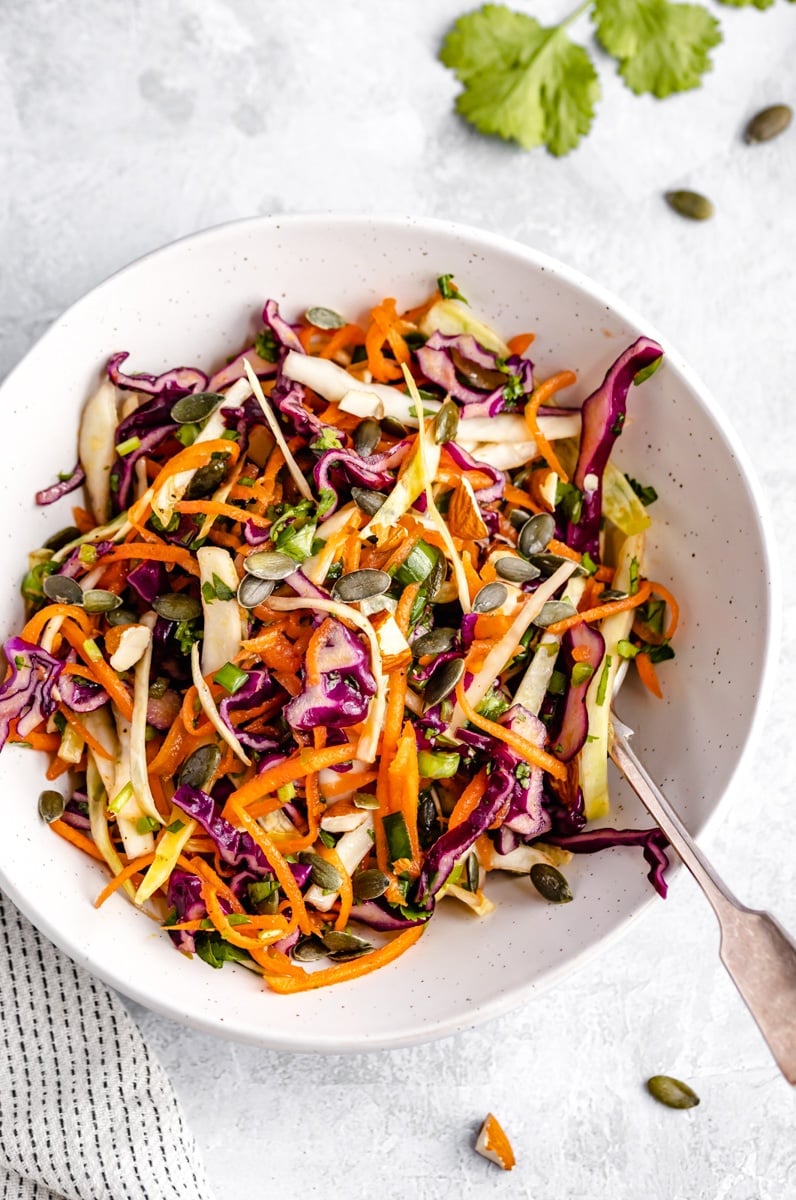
634, 576
175, 827
570, 500
222, 591
661, 47
522, 81
266, 346
329, 439
213, 950
659, 654
645, 492
448, 289
186, 633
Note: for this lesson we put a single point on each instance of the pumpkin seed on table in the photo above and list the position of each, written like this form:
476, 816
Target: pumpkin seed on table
446, 423
435, 642
97, 600
768, 123
516, 570
269, 564
370, 884
552, 611
195, 407
367, 436
324, 318
672, 1092
361, 585
51, 806
535, 534
490, 597
550, 883
199, 767
369, 501
62, 590
692, 205
177, 606
443, 681
253, 591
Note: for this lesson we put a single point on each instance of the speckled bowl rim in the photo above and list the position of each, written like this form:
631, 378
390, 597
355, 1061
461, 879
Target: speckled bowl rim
513, 997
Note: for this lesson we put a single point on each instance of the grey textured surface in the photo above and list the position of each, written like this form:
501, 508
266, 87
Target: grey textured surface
126, 125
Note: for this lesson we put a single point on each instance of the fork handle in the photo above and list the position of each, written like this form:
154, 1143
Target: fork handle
760, 956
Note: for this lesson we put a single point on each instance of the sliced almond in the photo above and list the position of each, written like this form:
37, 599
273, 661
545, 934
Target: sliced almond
133, 641
493, 1144
464, 515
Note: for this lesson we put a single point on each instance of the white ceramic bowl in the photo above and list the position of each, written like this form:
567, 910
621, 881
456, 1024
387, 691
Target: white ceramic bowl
194, 302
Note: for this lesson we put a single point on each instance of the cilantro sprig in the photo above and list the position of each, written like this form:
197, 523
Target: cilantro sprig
530, 83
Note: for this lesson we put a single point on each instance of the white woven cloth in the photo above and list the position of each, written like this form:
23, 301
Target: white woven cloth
86, 1111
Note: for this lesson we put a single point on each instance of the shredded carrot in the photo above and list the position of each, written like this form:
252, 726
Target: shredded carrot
403, 610
469, 799
404, 786
98, 669
603, 610
351, 781
218, 509
132, 868
491, 625
157, 552
516, 496
330, 855
189, 459
35, 626
542, 393
76, 838
648, 675
49, 742
345, 971
527, 750
386, 326
276, 862
348, 335
83, 519
520, 342
658, 589
292, 769
563, 550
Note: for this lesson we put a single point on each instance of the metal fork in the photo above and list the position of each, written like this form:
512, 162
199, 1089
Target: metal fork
757, 952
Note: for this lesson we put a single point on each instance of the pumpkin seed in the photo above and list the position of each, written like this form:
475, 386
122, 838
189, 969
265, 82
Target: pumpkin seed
195, 407
436, 577
253, 591
550, 883
367, 436
177, 606
364, 800
361, 585
672, 1092
62, 538
122, 616
443, 681
549, 564
474, 373
535, 534
62, 590
309, 949
369, 885
769, 123
471, 872
552, 611
51, 805
270, 565
516, 570
436, 642
490, 597
428, 828
370, 502
206, 479
692, 205
342, 946
446, 423
97, 600
393, 427
199, 767
517, 518
325, 318
323, 874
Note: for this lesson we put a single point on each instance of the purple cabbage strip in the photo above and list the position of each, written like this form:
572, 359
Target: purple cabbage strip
288, 398
284, 333
652, 841
27, 692
254, 534
303, 586
147, 580
345, 468
258, 688
184, 895
238, 849
526, 816
178, 379
438, 365
346, 685
468, 463
603, 415
50, 494
381, 916
574, 727
81, 695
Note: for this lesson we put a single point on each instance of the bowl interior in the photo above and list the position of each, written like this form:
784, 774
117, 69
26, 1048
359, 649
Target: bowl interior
194, 303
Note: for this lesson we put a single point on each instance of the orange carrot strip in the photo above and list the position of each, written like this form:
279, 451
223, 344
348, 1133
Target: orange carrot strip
520, 342
218, 509
99, 669
469, 799
189, 459
293, 769
648, 675
161, 553
32, 631
351, 781
277, 863
342, 972
527, 750
489, 625
347, 336
234, 933
76, 838
82, 732
403, 609
346, 890
563, 550
48, 742
132, 868
540, 394
404, 781
674, 608
197, 866
603, 610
